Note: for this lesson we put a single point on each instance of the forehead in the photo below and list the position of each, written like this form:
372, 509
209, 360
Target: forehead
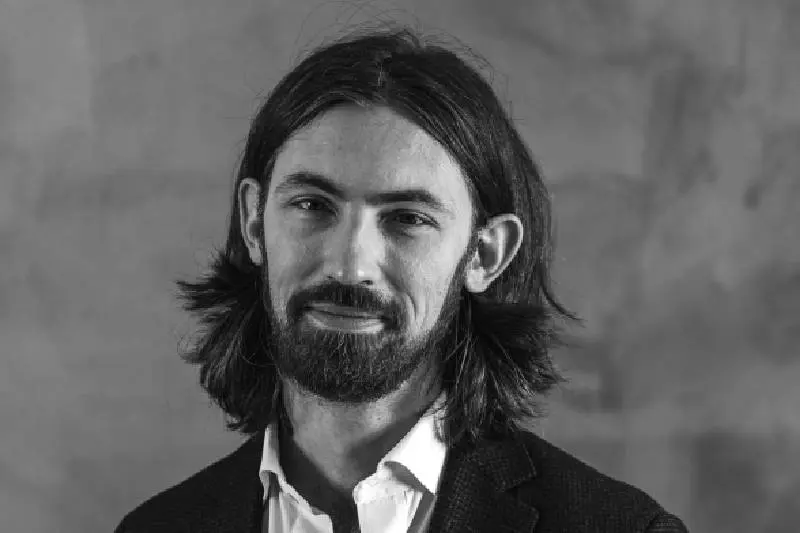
372, 150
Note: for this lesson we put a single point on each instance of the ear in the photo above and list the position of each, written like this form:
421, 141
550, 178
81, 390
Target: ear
498, 242
250, 222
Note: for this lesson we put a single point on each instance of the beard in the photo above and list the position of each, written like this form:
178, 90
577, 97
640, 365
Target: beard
350, 367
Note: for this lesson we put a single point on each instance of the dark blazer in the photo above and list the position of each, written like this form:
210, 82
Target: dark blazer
519, 484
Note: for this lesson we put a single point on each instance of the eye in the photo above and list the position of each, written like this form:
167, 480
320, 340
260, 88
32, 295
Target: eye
309, 204
409, 218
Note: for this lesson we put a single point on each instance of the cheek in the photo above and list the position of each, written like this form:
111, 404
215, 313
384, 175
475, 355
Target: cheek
284, 268
429, 281
291, 244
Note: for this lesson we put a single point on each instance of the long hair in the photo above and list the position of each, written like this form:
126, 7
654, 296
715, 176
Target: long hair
501, 362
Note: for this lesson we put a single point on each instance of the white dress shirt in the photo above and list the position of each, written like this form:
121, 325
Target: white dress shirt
397, 498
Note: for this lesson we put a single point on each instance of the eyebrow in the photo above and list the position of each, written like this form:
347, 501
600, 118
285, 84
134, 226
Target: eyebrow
298, 180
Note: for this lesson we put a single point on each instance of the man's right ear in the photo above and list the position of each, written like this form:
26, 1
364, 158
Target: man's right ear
250, 223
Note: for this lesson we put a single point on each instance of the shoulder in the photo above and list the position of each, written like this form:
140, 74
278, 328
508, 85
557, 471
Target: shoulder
565, 490
229, 485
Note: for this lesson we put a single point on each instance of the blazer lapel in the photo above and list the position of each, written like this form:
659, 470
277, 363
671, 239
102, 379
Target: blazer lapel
233, 501
474, 492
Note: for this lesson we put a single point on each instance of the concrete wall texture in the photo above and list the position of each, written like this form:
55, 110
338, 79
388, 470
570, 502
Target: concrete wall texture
669, 132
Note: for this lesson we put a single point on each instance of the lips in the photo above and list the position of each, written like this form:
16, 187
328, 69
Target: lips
347, 312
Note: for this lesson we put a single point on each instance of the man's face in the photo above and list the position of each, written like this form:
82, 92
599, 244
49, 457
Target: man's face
362, 286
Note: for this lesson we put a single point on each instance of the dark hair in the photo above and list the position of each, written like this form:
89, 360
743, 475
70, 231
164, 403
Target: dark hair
503, 358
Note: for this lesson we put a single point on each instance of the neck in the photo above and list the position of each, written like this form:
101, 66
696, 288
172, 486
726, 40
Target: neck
333, 446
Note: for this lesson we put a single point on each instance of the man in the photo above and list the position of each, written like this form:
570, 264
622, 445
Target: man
380, 319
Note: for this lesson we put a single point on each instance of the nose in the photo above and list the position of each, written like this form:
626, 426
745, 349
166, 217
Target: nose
354, 251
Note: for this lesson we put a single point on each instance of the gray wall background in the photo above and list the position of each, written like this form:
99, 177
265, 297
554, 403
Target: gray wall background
668, 130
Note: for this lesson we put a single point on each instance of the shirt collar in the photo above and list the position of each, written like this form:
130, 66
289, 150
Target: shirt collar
270, 458
421, 451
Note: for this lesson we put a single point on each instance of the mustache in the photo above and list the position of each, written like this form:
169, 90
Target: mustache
358, 297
